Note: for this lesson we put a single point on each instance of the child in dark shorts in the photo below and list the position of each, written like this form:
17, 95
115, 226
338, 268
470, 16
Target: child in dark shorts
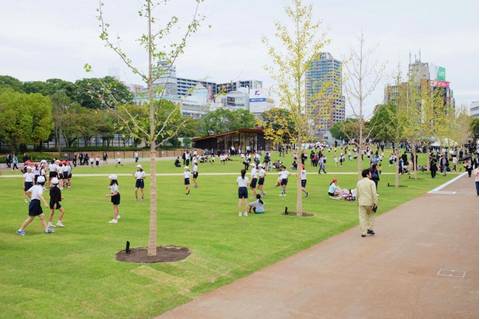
35, 207
55, 199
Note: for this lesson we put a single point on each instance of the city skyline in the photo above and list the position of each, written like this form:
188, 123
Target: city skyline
231, 49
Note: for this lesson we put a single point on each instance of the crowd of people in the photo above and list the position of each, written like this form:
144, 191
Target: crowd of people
56, 176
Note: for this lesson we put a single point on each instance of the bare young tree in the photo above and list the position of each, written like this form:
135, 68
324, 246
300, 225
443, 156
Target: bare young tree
362, 75
301, 42
161, 53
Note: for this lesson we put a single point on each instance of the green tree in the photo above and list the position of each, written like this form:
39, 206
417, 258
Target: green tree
24, 118
242, 119
381, 121
9, 82
474, 127
278, 125
101, 93
218, 121
301, 41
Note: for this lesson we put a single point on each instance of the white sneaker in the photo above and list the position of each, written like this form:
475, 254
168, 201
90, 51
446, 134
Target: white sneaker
113, 221
245, 214
60, 224
240, 214
50, 225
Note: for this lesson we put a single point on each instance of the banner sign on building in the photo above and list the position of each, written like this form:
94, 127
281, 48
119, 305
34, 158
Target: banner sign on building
440, 84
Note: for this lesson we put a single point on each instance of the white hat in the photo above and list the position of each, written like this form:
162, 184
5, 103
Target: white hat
54, 181
139, 166
113, 177
40, 179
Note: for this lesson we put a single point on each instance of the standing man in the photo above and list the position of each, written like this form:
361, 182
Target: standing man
367, 203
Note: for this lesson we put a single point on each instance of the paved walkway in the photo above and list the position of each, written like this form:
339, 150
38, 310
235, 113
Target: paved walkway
423, 263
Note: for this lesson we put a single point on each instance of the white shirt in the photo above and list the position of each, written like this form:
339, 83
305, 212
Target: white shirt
66, 169
242, 182
195, 168
186, 174
28, 177
114, 188
303, 174
37, 191
139, 174
284, 174
261, 173
52, 167
253, 172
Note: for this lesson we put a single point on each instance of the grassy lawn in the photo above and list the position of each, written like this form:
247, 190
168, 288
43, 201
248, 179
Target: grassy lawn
73, 273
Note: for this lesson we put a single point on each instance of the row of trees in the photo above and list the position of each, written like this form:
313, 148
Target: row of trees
89, 92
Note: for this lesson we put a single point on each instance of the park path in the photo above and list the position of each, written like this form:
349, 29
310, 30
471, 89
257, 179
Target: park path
423, 263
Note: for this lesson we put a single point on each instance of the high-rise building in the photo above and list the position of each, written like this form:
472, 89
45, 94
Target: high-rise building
474, 109
323, 84
425, 77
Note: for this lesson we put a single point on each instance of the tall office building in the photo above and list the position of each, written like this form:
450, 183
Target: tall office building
323, 85
426, 78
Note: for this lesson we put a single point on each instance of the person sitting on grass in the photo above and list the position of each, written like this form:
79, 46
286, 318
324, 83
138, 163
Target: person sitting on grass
35, 207
333, 190
257, 206
177, 162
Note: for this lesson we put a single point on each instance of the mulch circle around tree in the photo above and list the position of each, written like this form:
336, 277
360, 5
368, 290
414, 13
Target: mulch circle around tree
164, 254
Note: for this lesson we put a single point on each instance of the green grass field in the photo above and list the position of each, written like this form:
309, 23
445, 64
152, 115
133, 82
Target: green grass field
73, 273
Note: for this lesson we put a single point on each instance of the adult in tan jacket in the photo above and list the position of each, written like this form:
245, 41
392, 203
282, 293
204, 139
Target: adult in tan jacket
367, 202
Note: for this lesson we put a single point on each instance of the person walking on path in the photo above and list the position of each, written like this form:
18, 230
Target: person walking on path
367, 203
475, 173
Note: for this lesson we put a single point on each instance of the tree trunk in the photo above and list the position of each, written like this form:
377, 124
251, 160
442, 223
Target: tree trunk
397, 168
299, 183
152, 236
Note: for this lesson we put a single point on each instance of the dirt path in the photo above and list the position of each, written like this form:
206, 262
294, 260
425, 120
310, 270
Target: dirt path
423, 263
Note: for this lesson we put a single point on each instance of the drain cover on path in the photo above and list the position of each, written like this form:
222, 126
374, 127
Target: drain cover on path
451, 273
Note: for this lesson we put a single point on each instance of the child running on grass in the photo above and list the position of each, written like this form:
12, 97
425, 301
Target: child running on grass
186, 180
283, 180
242, 182
55, 199
139, 181
28, 178
261, 179
35, 207
195, 173
114, 198
303, 180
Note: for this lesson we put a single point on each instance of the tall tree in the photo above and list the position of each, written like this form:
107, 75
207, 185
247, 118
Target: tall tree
301, 41
101, 93
9, 82
24, 118
160, 56
278, 126
362, 76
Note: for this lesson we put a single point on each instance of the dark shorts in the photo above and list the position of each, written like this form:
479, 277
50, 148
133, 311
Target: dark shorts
27, 186
139, 183
186, 181
116, 199
52, 174
261, 181
55, 205
253, 183
331, 194
304, 183
242, 192
195, 174
284, 181
66, 176
34, 208
60, 176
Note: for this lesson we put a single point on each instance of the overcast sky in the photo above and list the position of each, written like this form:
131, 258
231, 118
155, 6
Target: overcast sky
55, 38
